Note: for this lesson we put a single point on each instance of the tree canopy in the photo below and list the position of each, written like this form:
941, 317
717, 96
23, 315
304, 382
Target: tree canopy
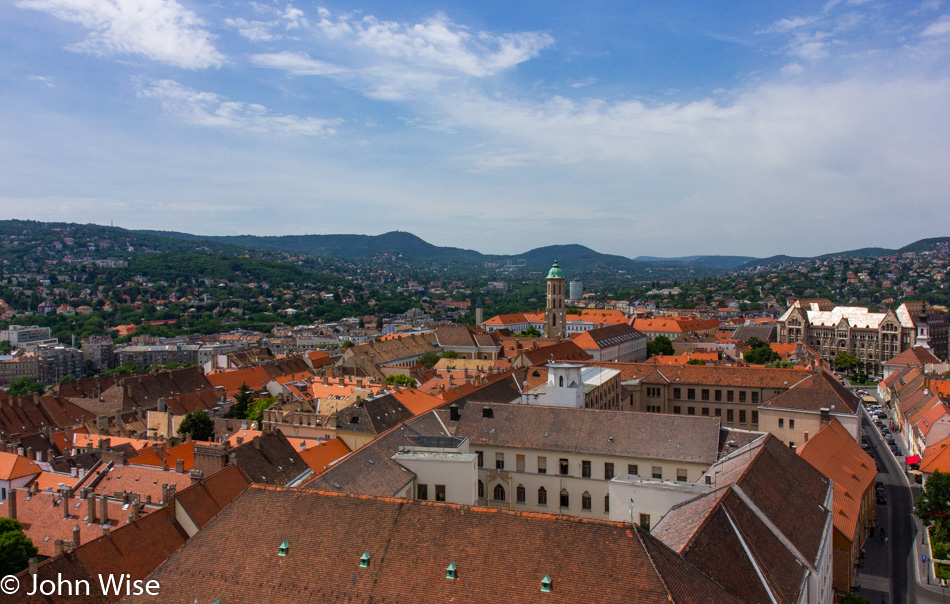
659, 345
16, 549
25, 385
242, 401
198, 424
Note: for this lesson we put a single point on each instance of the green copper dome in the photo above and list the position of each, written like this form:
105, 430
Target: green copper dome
555, 272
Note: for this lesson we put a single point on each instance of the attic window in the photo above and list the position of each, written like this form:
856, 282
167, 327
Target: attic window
546, 584
487, 412
450, 572
282, 550
354, 420
364, 559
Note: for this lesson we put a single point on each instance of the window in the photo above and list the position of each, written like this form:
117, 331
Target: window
440, 492
781, 423
718, 396
755, 398
658, 472
520, 494
645, 522
585, 469
791, 445
677, 393
542, 496
691, 394
742, 396
705, 394
481, 458
653, 409
676, 409
633, 470
499, 493
499, 461
542, 465
741, 416
755, 417
585, 501
791, 424
718, 412
691, 411
562, 466
730, 396
608, 470
680, 475
519, 463
729, 416
422, 491
560, 381
706, 411
606, 504
565, 499
481, 489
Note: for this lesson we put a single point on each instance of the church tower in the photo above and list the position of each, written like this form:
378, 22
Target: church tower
555, 315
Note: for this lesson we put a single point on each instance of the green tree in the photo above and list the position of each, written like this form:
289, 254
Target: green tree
25, 385
845, 361
933, 505
256, 410
780, 364
429, 359
400, 380
695, 362
850, 598
198, 424
16, 549
659, 345
5, 347
755, 342
242, 401
451, 354
379, 323
347, 344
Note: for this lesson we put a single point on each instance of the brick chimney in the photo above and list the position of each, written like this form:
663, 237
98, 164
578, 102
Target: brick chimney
58, 547
180, 466
76, 536
91, 509
11, 504
197, 477
210, 458
104, 509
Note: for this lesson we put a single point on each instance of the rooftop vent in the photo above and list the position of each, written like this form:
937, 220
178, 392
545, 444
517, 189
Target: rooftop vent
282, 550
546, 584
450, 572
364, 559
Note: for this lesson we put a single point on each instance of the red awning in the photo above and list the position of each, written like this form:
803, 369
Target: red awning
913, 459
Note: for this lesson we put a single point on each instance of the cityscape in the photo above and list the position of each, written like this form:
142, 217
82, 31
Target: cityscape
444, 302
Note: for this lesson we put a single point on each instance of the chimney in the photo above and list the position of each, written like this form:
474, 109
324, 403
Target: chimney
76, 536
50, 454
58, 547
66, 495
74, 472
105, 443
180, 466
104, 509
106, 532
34, 563
239, 440
135, 510
257, 442
164, 465
11, 504
91, 509
197, 476
170, 497
29, 454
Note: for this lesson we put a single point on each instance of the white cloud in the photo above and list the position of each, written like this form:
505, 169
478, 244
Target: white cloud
295, 63
161, 30
209, 109
44, 79
941, 27
255, 31
584, 82
792, 69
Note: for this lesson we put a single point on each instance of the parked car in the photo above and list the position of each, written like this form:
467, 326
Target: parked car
880, 415
881, 499
885, 430
895, 449
890, 439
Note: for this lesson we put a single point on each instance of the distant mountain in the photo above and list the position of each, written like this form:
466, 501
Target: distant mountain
723, 262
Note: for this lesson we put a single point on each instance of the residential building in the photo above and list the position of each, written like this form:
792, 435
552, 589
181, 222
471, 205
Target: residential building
21, 336
835, 453
807, 407
620, 343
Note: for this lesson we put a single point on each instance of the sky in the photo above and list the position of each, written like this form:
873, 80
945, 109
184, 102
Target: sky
634, 128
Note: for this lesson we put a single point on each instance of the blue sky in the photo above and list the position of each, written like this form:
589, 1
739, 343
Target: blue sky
635, 128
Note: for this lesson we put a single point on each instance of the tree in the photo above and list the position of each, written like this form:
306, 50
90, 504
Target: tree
780, 364
379, 323
451, 354
845, 361
242, 400
400, 380
348, 344
759, 353
256, 411
6, 347
198, 424
933, 505
16, 549
25, 385
659, 345
755, 342
429, 359
695, 362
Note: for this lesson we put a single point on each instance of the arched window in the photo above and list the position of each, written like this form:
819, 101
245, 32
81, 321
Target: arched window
481, 489
560, 381
542, 496
585, 501
520, 494
553, 320
565, 499
499, 493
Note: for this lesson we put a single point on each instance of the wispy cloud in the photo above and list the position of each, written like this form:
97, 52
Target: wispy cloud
295, 63
209, 109
161, 30
44, 79
941, 27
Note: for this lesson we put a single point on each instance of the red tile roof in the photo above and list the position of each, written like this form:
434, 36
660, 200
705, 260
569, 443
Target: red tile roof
13, 466
417, 402
184, 451
322, 456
